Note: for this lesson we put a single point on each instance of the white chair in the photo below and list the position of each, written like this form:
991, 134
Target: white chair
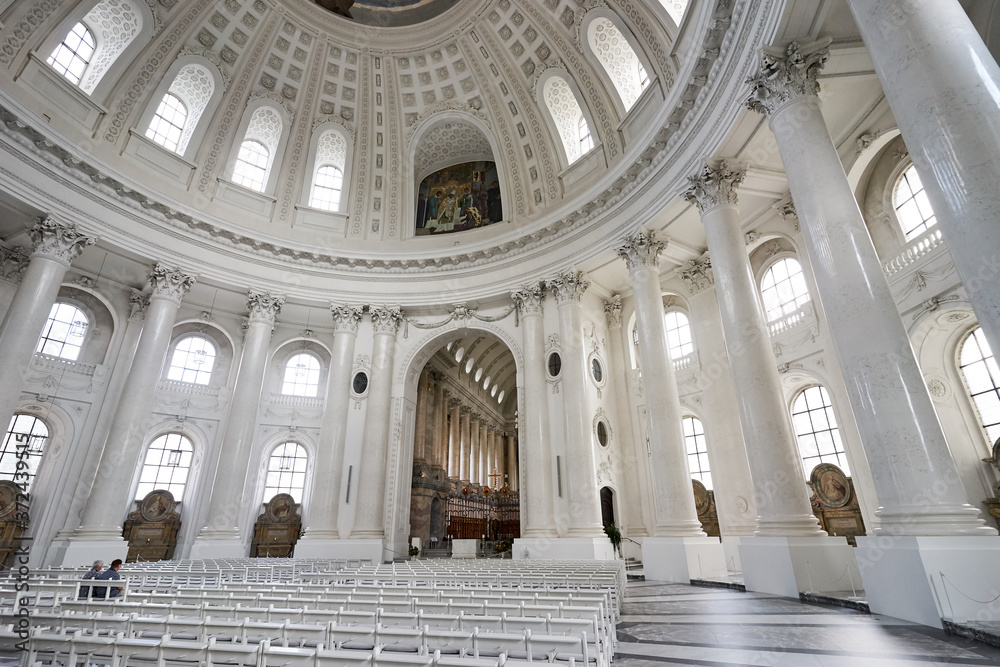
448, 642
285, 656
500, 645
522, 623
186, 651
440, 621
557, 647
355, 637
345, 658
230, 653
399, 640
390, 659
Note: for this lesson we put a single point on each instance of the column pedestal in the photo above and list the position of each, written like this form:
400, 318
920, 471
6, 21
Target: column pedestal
342, 549
81, 553
791, 565
731, 548
681, 559
566, 548
903, 577
220, 547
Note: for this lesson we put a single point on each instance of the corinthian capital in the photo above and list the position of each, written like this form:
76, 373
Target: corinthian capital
170, 284
386, 319
787, 74
568, 286
263, 307
698, 274
641, 250
528, 300
60, 241
613, 311
715, 186
345, 318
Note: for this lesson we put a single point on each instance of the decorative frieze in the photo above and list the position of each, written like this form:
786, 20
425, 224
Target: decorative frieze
386, 319
641, 250
263, 307
568, 287
613, 311
168, 283
715, 186
60, 241
346, 318
787, 74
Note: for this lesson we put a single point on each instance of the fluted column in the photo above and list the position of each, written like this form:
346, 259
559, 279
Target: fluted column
454, 438
475, 463
899, 428
230, 493
370, 520
941, 82
581, 466
440, 422
56, 245
675, 514
326, 496
465, 441
420, 441
537, 515
783, 507
511, 444
108, 501
486, 456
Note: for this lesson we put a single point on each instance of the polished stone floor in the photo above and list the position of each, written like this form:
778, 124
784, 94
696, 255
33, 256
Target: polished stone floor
673, 624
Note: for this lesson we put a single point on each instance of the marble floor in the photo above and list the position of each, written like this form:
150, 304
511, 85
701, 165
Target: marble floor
674, 624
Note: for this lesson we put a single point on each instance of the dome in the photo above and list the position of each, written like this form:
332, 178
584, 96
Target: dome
390, 13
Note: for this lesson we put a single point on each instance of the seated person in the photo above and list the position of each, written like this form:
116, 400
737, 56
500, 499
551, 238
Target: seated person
92, 573
101, 592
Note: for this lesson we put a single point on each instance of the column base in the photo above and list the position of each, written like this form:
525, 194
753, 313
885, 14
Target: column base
681, 559
83, 552
207, 547
903, 577
566, 548
791, 565
352, 549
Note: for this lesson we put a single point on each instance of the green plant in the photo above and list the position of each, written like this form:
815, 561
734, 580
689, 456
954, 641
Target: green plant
615, 535
414, 551
501, 546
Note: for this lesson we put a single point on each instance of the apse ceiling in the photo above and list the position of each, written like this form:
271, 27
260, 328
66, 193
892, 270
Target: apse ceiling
485, 369
394, 13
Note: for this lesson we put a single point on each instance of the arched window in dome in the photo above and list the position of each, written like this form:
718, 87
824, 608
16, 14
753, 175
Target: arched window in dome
301, 377
982, 379
64, 332
697, 451
679, 342
192, 361
913, 208
568, 116
260, 145
181, 107
286, 471
784, 289
817, 431
166, 466
328, 177
23, 443
619, 60
676, 9
72, 57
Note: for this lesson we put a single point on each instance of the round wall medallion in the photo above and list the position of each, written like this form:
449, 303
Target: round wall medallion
360, 383
702, 501
830, 485
8, 497
157, 505
281, 508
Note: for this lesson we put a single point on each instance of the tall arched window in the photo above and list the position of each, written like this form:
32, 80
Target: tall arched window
167, 464
619, 60
64, 332
913, 208
979, 367
784, 289
181, 107
697, 450
73, 54
568, 117
24, 442
286, 471
260, 143
679, 342
816, 429
328, 177
301, 377
193, 360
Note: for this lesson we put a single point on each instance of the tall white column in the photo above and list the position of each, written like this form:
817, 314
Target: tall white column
100, 531
421, 410
369, 522
674, 510
487, 455
454, 437
512, 476
465, 442
475, 464
536, 515
783, 507
581, 469
440, 422
324, 511
220, 536
56, 245
916, 479
941, 82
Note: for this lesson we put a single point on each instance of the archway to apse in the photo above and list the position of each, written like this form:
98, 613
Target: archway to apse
465, 474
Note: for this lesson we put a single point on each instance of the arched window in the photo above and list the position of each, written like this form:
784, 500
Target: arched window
73, 54
619, 60
568, 117
301, 375
181, 107
816, 429
784, 289
193, 360
679, 342
167, 464
979, 367
64, 332
260, 143
328, 179
286, 471
676, 9
697, 451
913, 208
24, 442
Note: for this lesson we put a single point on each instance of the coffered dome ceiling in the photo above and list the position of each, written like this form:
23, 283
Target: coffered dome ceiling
392, 13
